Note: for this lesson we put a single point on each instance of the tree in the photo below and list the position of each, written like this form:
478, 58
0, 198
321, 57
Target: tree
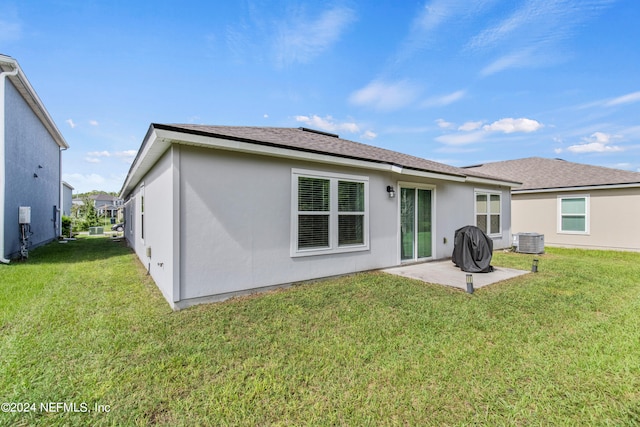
91, 215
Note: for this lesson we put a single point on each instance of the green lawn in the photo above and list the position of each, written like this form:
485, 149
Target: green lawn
82, 324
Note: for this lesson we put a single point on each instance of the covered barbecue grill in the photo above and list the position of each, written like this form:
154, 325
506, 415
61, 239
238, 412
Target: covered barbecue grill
472, 250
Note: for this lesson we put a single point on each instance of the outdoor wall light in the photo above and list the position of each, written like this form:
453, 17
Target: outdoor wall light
534, 266
391, 191
469, 283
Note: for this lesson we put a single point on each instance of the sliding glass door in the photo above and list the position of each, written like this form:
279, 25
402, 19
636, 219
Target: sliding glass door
415, 223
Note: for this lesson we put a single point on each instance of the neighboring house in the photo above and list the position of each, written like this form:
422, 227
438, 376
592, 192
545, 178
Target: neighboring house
78, 211
67, 198
572, 204
30, 160
106, 205
216, 211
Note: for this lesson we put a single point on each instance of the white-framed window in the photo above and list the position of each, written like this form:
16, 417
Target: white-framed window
330, 213
488, 206
573, 214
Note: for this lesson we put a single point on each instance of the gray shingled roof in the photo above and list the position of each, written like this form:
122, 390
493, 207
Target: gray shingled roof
537, 173
322, 143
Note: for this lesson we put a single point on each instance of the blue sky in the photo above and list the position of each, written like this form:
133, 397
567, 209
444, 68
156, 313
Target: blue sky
456, 81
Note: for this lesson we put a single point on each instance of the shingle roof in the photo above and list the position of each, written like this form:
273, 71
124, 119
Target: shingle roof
537, 173
308, 140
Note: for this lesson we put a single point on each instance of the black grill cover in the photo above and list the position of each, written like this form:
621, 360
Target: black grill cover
472, 250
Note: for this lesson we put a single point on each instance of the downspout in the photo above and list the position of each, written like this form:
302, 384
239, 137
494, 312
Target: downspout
60, 194
3, 76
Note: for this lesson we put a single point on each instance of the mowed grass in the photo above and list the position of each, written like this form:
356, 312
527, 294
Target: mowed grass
82, 323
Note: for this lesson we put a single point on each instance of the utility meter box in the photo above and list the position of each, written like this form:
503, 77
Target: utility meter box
24, 215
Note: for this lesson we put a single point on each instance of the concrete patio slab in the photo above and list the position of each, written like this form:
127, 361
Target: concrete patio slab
446, 273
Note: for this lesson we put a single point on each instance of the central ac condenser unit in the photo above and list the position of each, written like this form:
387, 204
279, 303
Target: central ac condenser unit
529, 243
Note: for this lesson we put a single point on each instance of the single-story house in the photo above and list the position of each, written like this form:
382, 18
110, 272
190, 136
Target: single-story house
30, 163
572, 204
218, 211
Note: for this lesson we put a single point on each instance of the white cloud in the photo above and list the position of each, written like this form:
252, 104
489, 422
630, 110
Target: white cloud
426, 26
369, 135
127, 153
593, 147
94, 156
462, 138
602, 137
328, 124
92, 181
443, 124
624, 99
598, 142
299, 40
510, 125
624, 165
127, 156
93, 122
473, 131
533, 32
469, 126
441, 101
386, 96
517, 59
70, 123
99, 154
432, 15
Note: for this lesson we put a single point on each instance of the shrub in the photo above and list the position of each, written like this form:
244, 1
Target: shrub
66, 226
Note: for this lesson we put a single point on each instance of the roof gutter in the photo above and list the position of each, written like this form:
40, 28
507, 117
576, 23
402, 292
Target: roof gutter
3, 76
577, 188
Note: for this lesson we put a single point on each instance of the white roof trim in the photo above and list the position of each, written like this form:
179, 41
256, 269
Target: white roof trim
479, 180
23, 86
585, 188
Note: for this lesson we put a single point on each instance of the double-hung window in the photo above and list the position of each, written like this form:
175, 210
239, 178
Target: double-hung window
489, 212
329, 213
573, 214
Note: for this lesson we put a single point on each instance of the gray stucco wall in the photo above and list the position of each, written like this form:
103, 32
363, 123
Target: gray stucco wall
29, 150
219, 222
156, 248
236, 224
